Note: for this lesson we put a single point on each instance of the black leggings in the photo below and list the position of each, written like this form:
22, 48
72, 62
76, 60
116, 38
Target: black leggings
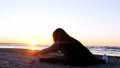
60, 59
78, 62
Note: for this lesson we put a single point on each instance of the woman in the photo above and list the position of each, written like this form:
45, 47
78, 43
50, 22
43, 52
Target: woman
74, 51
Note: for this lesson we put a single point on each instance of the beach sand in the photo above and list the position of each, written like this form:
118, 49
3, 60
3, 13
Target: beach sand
21, 58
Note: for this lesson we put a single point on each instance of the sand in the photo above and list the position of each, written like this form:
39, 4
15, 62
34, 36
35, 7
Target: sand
21, 58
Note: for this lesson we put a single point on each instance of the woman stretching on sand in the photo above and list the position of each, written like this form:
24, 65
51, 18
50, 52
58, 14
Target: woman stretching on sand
74, 51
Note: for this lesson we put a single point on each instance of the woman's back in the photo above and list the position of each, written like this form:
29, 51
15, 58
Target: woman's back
75, 48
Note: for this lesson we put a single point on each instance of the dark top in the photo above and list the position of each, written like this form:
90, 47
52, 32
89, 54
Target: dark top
75, 51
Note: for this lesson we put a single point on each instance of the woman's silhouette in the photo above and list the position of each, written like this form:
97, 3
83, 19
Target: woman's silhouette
74, 51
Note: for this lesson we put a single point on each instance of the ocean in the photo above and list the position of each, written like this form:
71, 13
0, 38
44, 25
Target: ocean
99, 50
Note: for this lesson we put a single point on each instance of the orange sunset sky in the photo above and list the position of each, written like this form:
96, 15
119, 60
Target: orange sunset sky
93, 22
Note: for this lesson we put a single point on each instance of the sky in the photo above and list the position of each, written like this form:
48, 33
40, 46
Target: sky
92, 22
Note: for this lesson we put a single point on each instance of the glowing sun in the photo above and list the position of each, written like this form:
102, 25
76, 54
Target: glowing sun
33, 42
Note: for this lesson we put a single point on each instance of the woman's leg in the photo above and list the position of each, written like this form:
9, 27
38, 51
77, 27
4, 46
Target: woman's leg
60, 59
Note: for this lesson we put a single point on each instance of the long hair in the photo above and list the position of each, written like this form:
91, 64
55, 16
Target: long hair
60, 34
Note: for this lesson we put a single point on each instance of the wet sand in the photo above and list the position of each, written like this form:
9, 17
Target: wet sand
21, 58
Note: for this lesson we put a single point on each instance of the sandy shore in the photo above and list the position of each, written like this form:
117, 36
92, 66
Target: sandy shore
21, 58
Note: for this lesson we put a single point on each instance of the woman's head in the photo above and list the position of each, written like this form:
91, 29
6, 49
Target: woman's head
59, 34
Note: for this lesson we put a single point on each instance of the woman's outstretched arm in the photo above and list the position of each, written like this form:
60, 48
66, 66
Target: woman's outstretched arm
52, 48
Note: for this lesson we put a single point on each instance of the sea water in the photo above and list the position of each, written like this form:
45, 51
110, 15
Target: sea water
99, 50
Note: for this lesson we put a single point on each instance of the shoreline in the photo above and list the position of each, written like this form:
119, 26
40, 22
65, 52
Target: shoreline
21, 58
38, 50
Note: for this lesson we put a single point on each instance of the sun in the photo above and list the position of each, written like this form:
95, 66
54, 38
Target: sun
33, 42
